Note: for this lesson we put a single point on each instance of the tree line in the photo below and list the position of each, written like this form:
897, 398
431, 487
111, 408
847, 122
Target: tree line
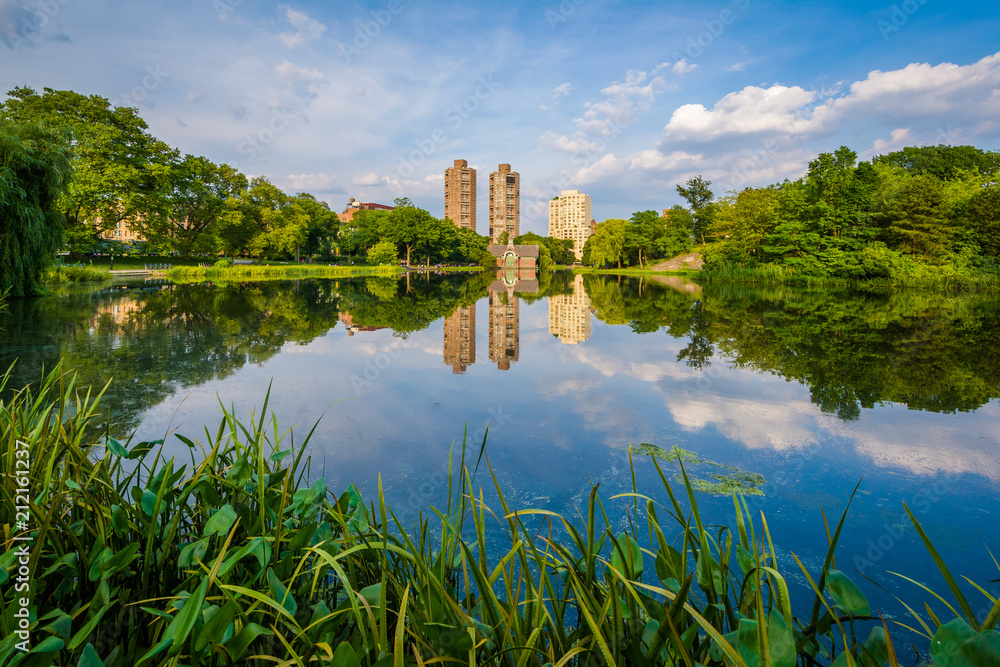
903, 215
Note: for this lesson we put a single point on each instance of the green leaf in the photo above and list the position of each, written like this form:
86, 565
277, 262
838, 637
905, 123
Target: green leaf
148, 502
278, 456
116, 447
345, 656
221, 521
216, 626
184, 621
49, 645
156, 650
632, 553
119, 520
983, 650
83, 633
780, 640
280, 593
846, 594
192, 553
237, 646
947, 642
89, 657
745, 560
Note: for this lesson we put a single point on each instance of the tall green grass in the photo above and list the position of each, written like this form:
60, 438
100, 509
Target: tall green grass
75, 274
237, 557
921, 276
249, 272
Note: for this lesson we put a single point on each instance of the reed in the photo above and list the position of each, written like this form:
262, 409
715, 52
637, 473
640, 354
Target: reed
75, 274
238, 557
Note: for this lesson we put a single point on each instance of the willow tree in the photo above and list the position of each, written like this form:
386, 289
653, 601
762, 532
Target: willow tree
34, 172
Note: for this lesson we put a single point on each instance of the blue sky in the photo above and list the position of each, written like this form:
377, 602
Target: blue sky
622, 100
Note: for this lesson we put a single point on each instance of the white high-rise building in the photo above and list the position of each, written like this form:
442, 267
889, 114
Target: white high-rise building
569, 218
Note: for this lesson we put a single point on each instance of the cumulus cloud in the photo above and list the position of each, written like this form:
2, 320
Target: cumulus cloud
752, 110
933, 94
562, 90
900, 136
682, 67
306, 29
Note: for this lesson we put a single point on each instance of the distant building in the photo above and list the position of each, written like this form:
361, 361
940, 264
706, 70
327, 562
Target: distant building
569, 218
505, 203
460, 339
512, 256
460, 195
354, 207
569, 315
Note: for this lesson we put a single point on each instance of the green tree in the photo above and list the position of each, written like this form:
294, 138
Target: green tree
643, 233
915, 219
984, 214
383, 253
699, 196
322, 224
944, 162
411, 227
744, 221
34, 172
608, 242
120, 171
198, 196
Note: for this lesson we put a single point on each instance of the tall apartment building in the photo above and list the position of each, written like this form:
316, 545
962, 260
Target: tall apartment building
569, 315
569, 218
460, 339
505, 203
460, 195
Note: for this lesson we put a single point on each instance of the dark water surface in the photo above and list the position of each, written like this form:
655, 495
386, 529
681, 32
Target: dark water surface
811, 390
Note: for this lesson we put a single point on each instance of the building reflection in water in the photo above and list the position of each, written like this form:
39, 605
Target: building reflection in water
505, 314
569, 314
460, 339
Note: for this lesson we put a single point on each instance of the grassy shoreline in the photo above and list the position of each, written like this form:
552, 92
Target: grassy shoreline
239, 557
251, 272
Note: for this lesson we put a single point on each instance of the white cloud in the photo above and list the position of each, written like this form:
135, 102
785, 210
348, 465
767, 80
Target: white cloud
752, 110
575, 146
307, 29
562, 90
682, 67
934, 95
370, 178
737, 67
900, 137
291, 71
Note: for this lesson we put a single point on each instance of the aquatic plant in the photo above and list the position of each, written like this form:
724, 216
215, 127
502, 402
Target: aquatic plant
239, 557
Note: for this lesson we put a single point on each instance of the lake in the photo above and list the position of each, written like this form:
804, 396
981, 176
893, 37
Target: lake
796, 394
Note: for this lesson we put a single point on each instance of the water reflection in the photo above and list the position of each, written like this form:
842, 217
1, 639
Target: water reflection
811, 389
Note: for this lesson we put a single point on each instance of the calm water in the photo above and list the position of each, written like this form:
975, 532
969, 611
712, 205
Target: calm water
811, 390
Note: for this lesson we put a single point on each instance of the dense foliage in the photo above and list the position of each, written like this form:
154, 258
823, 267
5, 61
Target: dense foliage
34, 170
919, 216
